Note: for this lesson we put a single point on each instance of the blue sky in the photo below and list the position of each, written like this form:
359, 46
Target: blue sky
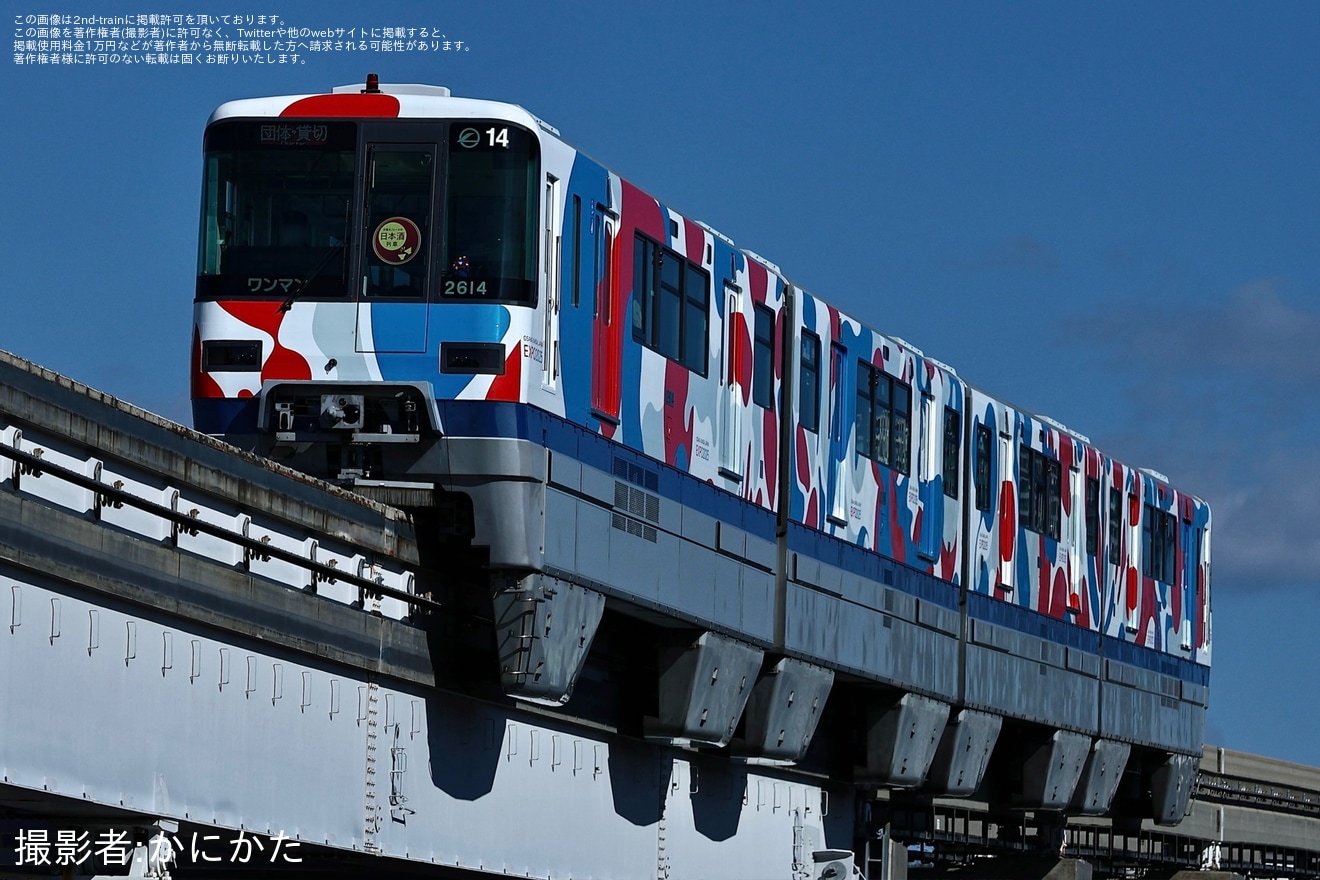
1105, 212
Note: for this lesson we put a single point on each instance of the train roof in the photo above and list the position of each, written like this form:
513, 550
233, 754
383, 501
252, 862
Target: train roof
386, 100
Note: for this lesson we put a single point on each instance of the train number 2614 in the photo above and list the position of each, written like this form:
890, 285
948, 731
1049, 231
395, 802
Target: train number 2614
465, 288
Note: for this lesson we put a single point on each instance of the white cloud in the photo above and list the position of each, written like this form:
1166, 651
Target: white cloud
1228, 395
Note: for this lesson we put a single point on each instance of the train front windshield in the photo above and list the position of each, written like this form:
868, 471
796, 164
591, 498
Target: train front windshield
336, 210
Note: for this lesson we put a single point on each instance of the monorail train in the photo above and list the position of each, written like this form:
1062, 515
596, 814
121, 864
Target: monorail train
412, 292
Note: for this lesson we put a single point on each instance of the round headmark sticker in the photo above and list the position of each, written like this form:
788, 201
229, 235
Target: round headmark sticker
396, 240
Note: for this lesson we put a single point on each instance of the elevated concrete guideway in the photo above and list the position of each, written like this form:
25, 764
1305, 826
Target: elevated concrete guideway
197, 641
197, 645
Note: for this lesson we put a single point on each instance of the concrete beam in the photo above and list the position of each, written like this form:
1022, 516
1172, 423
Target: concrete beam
1100, 777
901, 739
705, 683
1050, 774
543, 628
964, 753
1171, 788
785, 707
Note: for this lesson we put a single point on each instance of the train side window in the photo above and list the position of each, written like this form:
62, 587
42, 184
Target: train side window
696, 318
1170, 548
1115, 526
883, 418
1038, 492
838, 434
1025, 460
671, 305
1149, 537
809, 380
668, 337
1092, 516
867, 429
1053, 498
902, 427
763, 355
1159, 543
984, 449
952, 439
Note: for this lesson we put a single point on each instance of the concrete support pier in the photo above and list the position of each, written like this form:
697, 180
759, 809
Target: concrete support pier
1070, 869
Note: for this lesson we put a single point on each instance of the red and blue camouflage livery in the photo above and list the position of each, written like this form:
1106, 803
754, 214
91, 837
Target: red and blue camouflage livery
1061, 529
400, 288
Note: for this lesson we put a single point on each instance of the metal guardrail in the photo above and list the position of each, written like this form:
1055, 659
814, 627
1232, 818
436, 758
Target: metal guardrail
33, 465
978, 840
1214, 788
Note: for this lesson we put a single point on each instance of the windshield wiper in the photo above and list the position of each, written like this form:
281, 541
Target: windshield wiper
302, 282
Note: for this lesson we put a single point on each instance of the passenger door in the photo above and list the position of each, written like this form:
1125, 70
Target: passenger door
554, 241
731, 443
930, 435
607, 362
